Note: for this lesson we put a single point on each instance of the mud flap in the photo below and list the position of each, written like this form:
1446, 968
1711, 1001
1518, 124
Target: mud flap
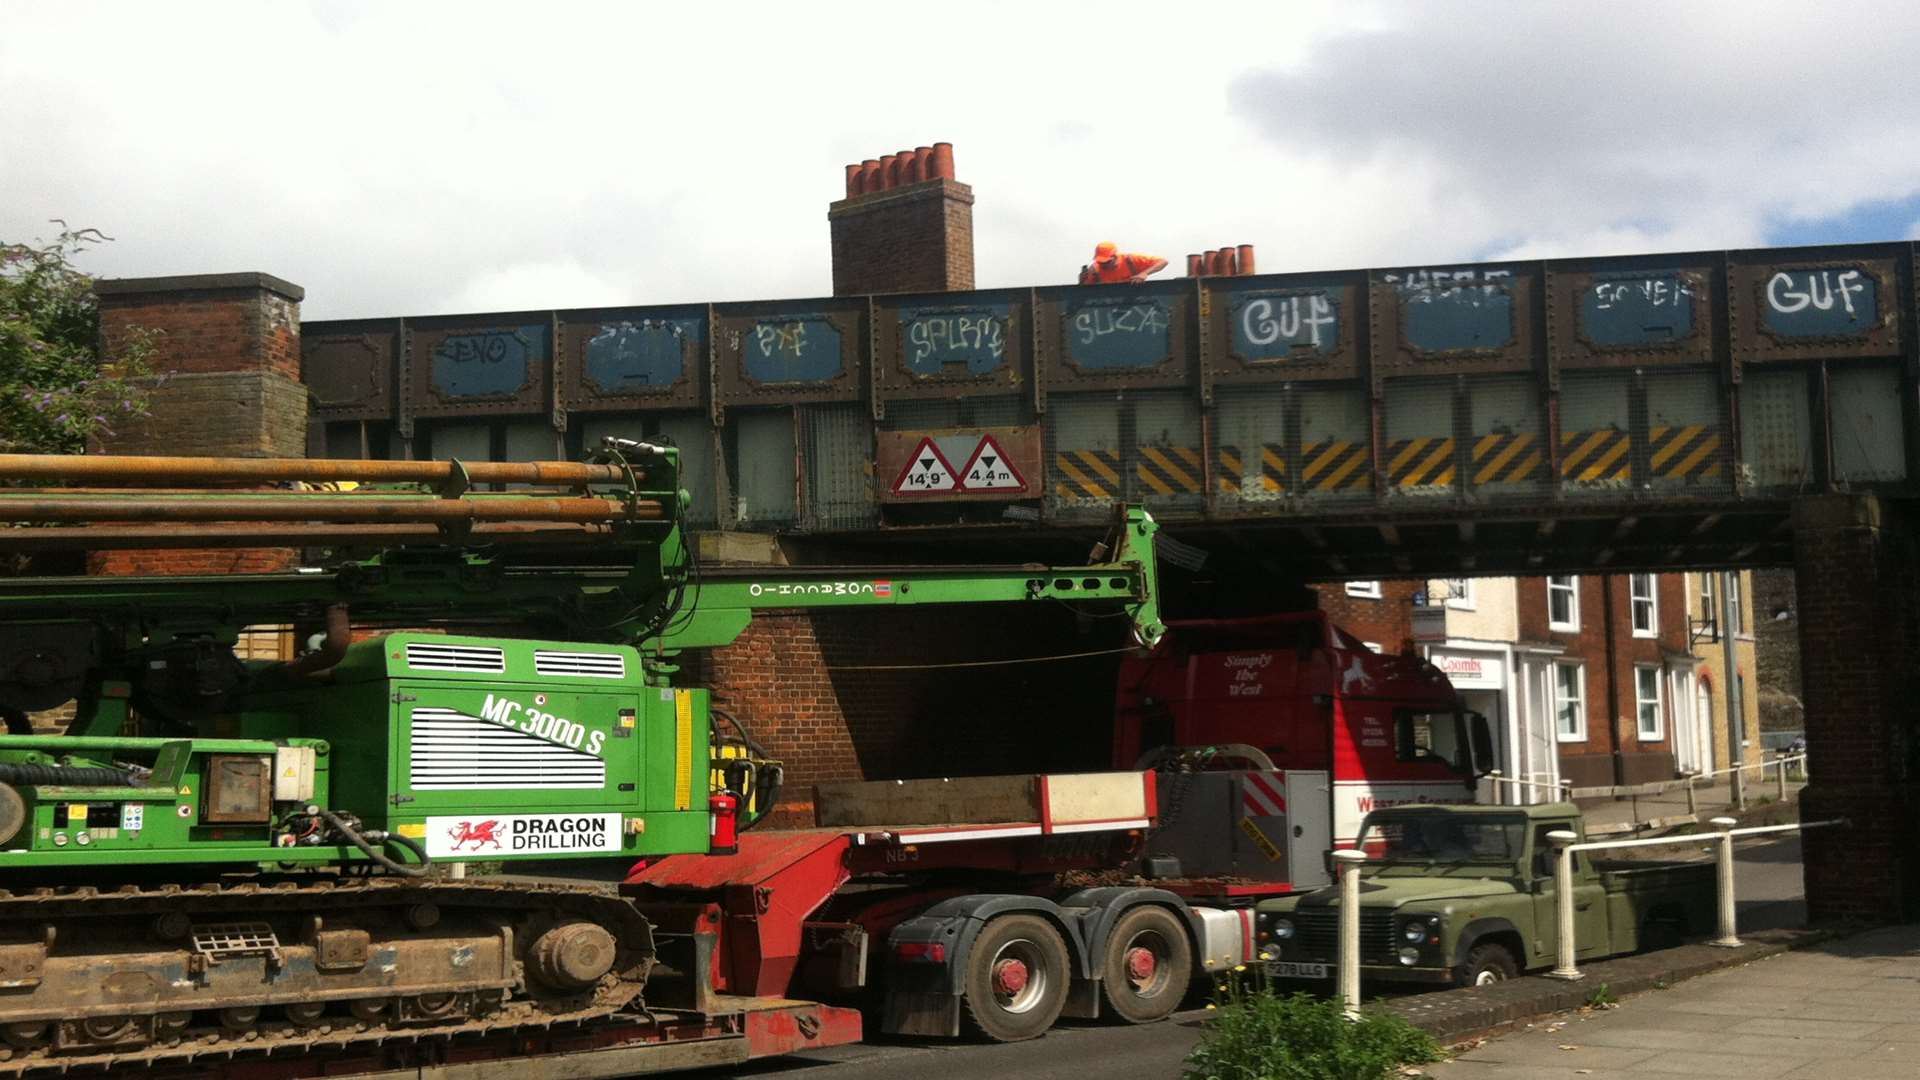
927, 1014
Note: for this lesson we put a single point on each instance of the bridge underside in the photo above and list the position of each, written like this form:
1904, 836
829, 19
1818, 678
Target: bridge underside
1495, 540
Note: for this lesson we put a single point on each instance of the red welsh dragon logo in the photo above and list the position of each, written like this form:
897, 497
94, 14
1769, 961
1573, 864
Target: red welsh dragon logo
478, 835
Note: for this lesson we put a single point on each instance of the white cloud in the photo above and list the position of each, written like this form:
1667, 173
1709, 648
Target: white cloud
437, 156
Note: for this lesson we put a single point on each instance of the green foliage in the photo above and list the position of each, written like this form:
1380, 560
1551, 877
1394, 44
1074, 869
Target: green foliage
56, 389
1602, 997
1256, 1034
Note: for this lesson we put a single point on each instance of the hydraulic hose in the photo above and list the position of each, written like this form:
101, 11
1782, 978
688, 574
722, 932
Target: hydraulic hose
353, 837
74, 775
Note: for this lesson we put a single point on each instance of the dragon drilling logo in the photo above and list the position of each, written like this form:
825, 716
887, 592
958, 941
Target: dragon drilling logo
479, 834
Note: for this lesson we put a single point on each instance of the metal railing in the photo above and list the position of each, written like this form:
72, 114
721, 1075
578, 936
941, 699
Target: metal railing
1564, 790
1727, 935
1349, 862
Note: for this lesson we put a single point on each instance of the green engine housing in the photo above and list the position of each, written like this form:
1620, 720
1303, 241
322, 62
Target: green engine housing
475, 748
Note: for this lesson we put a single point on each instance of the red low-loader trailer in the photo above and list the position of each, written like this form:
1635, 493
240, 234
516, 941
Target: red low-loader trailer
993, 906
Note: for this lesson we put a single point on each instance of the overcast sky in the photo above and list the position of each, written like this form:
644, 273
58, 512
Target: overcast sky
421, 157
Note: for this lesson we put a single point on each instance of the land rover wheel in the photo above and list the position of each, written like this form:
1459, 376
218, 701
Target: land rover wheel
1486, 964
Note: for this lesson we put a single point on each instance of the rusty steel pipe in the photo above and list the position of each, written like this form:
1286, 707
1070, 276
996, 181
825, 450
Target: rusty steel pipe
210, 470
338, 508
293, 534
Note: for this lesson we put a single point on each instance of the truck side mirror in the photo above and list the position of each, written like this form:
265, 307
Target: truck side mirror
1480, 738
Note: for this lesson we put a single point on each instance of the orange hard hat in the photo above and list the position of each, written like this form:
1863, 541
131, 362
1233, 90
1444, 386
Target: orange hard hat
1104, 250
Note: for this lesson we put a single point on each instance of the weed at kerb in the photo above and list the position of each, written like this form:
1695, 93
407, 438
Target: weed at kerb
1256, 1034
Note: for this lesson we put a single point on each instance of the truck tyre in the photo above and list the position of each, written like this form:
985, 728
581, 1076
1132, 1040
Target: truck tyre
1016, 979
1487, 963
1147, 965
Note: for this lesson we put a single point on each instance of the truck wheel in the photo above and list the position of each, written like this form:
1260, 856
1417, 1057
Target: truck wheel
1148, 963
1016, 979
1487, 963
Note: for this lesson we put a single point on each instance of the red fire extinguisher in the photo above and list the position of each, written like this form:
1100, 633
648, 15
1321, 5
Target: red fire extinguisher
723, 828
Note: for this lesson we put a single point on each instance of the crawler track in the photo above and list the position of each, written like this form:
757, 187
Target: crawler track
126, 979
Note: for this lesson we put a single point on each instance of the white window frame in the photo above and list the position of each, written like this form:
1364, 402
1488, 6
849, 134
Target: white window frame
1579, 700
1709, 603
1651, 600
1739, 620
1658, 732
1572, 589
1459, 593
1365, 590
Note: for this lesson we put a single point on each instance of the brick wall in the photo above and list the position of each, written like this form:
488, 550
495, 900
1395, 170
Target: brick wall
1613, 752
1777, 650
793, 678
914, 238
1857, 564
229, 353
209, 322
1386, 622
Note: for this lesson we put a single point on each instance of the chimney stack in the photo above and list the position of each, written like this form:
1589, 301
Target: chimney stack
905, 225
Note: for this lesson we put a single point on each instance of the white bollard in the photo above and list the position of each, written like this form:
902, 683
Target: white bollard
457, 871
1348, 862
1499, 793
1783, 779
1728, 939
1564, 968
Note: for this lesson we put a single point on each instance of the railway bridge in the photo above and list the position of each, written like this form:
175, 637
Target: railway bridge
1694, 410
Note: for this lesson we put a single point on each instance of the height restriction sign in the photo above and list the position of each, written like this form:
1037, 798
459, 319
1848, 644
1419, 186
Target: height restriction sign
926, 473
989, 469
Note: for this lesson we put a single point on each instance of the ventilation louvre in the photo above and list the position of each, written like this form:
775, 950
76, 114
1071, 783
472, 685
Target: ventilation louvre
427, 656
580, 664
452, 751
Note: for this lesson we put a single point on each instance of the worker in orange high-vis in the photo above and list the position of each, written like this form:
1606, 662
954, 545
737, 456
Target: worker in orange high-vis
1110, 266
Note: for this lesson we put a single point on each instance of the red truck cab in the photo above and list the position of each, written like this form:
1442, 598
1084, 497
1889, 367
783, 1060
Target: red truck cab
1297, 698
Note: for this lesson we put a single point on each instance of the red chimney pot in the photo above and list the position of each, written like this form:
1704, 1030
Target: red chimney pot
943, 160
1196, 266
1246, 259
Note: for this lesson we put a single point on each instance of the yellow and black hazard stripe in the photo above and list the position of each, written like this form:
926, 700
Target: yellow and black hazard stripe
1335, 465
1595, 457
1690, 452
1267, 475
1168, 470
1422, 462
1086, 474
1507, 459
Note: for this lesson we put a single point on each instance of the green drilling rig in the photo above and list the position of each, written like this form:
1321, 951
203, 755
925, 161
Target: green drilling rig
218, 850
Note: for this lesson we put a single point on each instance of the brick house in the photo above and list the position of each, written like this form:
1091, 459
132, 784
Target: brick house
1585, 678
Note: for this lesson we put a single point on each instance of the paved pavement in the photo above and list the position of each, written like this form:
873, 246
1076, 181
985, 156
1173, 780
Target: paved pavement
1846, 1009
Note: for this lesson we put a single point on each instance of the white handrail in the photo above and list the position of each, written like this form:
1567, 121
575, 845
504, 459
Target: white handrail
1566, 968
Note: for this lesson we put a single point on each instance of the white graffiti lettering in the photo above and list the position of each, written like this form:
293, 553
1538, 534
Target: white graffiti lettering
1093, 324
1654, 292
1819, 290
783, 337
949, 333
1469, 287
1259, 323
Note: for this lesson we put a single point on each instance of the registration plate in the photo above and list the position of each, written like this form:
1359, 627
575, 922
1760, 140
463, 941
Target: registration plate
1287, 969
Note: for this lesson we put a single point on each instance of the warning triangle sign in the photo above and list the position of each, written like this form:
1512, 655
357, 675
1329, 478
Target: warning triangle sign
927, 472
989, 469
